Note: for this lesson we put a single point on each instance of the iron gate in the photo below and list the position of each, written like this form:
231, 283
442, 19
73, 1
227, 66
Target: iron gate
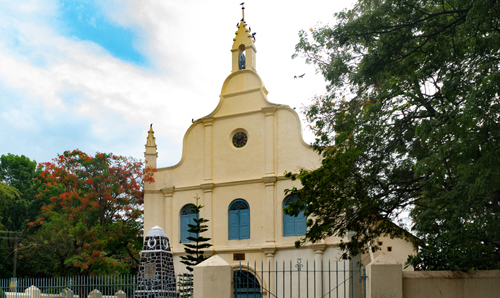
308, 280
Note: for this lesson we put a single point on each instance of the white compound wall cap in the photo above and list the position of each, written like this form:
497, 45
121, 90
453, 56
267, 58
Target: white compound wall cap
213, 261
384, 259
156, 231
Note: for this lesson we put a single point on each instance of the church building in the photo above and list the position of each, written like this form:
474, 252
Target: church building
233, 161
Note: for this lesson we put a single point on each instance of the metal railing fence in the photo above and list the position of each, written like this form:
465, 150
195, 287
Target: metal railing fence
278, 279
109, 286
75, 286
310, 280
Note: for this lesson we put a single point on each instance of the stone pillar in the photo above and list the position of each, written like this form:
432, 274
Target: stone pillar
250, 62
384, 278
319, 249
213, 278
270, 264
156, 277
234, 58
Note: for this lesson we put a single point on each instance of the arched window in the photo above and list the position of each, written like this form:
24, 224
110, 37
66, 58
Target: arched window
241, 57
239, 220
293, 225
246, 284
188, 214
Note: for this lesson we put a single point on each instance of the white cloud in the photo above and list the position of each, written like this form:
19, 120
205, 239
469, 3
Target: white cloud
187, 44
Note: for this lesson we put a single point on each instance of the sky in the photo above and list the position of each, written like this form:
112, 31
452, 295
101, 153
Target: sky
93, 75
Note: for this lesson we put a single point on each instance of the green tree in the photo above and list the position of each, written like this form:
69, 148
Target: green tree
93, 222
8, 195
194, 250
19, 173
410, 123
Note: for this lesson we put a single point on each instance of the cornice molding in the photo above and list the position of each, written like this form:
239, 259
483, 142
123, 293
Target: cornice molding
207, 186
208, 121
152, 191
168, 191
269, 111
212, 185
319, 247
269, 179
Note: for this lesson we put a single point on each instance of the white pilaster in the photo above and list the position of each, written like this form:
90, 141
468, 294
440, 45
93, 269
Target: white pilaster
208, 149
168, 215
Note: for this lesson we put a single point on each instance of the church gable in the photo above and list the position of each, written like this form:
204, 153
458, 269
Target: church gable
237, 153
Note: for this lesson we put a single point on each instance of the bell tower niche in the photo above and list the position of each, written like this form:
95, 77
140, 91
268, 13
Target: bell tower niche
243, 50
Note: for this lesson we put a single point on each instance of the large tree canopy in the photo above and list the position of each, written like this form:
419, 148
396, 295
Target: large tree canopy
410, 122
93, 219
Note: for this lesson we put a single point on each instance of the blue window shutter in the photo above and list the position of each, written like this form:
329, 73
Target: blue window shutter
244, 216
184, 228
233, 225
293, 225
300, 224
288, 225
191, 222
187, 219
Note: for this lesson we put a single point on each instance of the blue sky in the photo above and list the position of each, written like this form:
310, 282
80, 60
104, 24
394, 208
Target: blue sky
93, 75
85, 20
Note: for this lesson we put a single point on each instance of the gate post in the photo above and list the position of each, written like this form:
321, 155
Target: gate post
213, 278
271, 283
356, 274
319, 249
384, 277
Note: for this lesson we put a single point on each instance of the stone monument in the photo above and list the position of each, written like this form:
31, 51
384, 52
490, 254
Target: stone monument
156, 277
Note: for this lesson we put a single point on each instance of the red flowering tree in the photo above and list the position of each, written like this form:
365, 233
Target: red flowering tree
95, 210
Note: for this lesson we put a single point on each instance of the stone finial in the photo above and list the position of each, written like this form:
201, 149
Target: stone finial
384, 259
151, 152
95, 294
384, 277
66, 293
120, 294
156, 231
213, 261
211, 278
33, 292
243, 49
243, 36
